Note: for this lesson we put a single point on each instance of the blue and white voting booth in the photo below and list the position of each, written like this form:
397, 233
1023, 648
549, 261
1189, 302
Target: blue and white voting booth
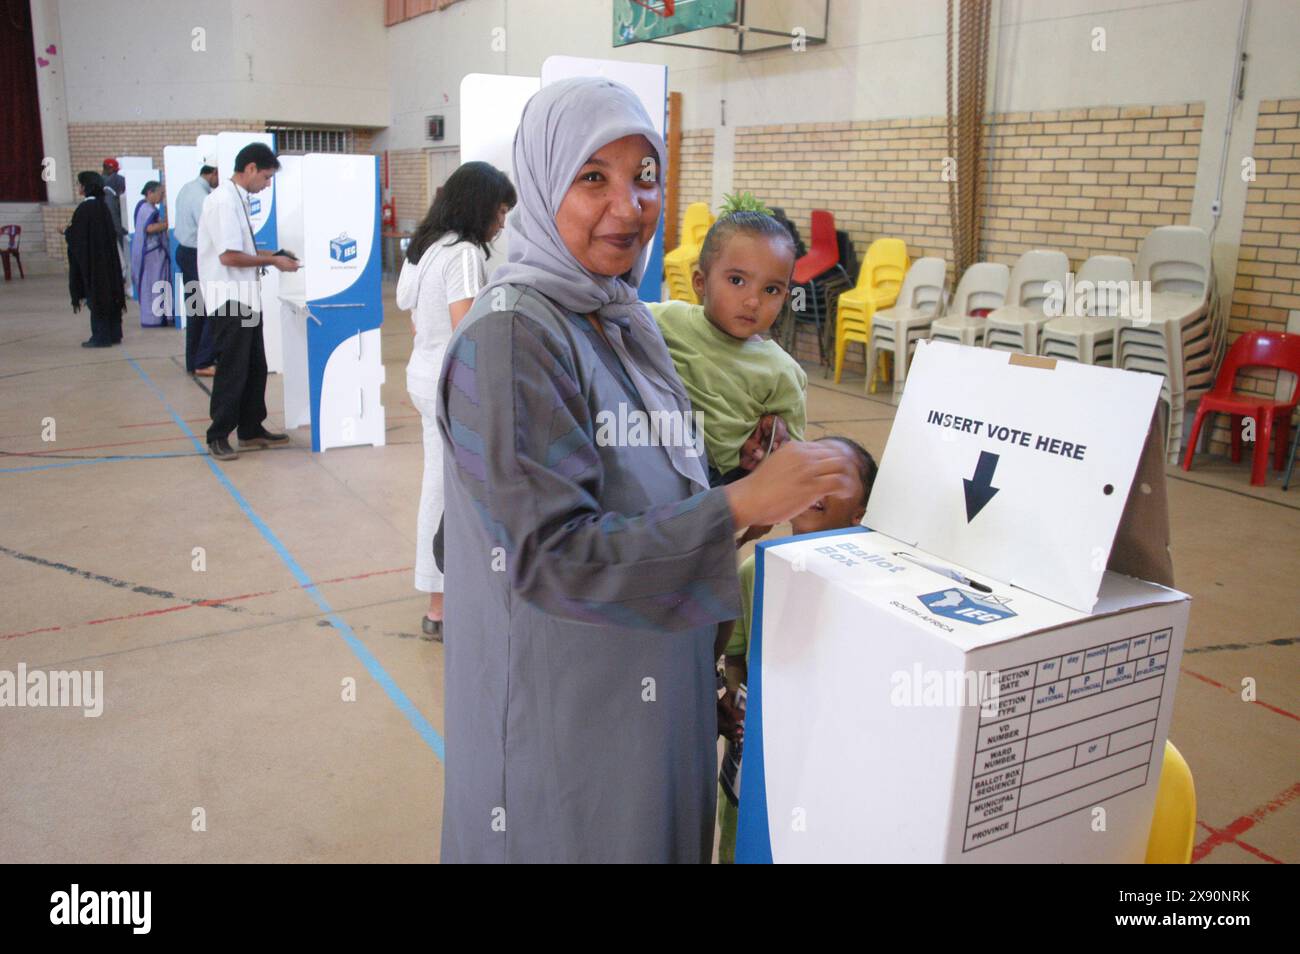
181, 164
331, 308
491, 106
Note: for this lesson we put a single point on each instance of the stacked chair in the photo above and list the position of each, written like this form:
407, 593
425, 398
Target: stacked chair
1089, 338
679, 264
819, 272
981, 290
1175, 337
896, 330
1254, 349
879, 282
1017, 324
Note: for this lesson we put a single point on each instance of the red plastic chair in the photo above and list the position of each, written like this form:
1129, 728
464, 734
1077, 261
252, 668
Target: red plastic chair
824, 253
14, 233
811, 271
1254, 349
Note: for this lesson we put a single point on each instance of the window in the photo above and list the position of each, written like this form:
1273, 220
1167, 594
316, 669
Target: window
297, 140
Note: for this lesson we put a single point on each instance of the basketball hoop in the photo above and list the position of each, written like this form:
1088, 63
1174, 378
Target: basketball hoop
663, 8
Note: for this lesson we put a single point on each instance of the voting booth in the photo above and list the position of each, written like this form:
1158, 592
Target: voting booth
181, 164
331, 309
985, 670
491, 106
136, 172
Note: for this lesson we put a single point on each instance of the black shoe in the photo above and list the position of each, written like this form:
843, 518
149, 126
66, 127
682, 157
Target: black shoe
265, 439
221, 449
92, 343
432, 627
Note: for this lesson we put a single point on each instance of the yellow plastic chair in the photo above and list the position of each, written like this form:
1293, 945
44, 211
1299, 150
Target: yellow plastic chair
679, 264
1173, 828
879, 281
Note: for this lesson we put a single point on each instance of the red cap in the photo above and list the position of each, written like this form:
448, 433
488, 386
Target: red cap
110, 163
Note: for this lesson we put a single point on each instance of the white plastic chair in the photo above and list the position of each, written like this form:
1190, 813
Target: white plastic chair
899, 328
984, 286
1174, 337
1016, 325
1089, 338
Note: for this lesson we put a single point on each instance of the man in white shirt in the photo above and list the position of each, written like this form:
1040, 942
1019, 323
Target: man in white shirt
230, 275
199, 353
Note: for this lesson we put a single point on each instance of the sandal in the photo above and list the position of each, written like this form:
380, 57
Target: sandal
432, 627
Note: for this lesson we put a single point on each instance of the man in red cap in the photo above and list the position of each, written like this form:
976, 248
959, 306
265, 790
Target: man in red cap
112, 178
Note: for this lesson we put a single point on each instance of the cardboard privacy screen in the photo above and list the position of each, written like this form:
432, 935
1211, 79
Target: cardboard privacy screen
1015, 465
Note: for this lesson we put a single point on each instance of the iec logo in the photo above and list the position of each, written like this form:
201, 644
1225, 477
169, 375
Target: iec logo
343, 249
254, 205
959, 604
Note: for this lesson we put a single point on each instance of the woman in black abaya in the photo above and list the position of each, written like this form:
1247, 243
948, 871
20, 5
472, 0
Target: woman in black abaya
94, 269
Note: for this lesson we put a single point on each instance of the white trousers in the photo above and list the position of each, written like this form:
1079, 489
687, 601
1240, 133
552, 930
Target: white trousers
428, 578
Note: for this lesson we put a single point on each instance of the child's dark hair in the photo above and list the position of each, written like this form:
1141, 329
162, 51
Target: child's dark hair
866, 463
748, 221
466, 205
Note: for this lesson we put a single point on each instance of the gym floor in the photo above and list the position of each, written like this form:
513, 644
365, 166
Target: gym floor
225, 734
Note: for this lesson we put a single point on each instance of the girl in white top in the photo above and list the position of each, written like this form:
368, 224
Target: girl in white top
446, 265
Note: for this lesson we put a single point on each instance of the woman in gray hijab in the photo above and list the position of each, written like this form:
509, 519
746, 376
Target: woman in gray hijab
587, 561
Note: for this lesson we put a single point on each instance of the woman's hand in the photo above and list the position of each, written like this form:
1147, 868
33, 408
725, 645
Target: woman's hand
791, 480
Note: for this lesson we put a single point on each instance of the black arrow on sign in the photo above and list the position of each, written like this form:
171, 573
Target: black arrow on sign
980, 489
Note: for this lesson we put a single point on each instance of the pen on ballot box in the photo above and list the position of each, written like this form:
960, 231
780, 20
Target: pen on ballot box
945, 571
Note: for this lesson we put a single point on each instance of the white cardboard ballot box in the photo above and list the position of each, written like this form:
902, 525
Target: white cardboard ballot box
984, 671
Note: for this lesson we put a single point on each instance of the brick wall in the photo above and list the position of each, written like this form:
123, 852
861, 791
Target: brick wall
408, 178
1266, 296
696, 171
1084, 181
55, 218
90, 143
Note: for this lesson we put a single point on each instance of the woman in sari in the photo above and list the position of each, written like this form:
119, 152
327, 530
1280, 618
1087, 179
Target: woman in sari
586, 576
150, 261
94, 266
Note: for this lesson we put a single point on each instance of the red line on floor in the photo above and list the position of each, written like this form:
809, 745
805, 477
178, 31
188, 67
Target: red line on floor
32, 632
1257, 702
176, 609
204, 603
1243, 824
1257, 853
362, 576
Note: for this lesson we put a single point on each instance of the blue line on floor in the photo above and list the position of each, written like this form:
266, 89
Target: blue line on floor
114, 459
404, 704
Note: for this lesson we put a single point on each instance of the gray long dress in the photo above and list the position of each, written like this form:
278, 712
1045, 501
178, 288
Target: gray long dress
584, 585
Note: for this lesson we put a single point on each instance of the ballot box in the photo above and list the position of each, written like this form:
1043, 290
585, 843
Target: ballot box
985, 670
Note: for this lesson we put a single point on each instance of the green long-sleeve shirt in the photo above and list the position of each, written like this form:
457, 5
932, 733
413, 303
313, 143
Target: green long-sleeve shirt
732, 383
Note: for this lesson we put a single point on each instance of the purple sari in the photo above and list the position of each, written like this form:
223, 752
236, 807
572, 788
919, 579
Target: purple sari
150, 264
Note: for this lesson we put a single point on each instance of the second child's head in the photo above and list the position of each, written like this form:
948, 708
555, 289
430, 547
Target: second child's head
744, 273
837, 513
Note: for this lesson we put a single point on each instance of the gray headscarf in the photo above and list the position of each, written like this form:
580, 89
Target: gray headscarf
563, 125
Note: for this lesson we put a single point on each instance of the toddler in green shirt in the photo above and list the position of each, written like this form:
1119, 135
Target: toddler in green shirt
748, 391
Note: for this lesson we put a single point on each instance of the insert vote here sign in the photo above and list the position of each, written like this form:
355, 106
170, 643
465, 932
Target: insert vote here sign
1017, 467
